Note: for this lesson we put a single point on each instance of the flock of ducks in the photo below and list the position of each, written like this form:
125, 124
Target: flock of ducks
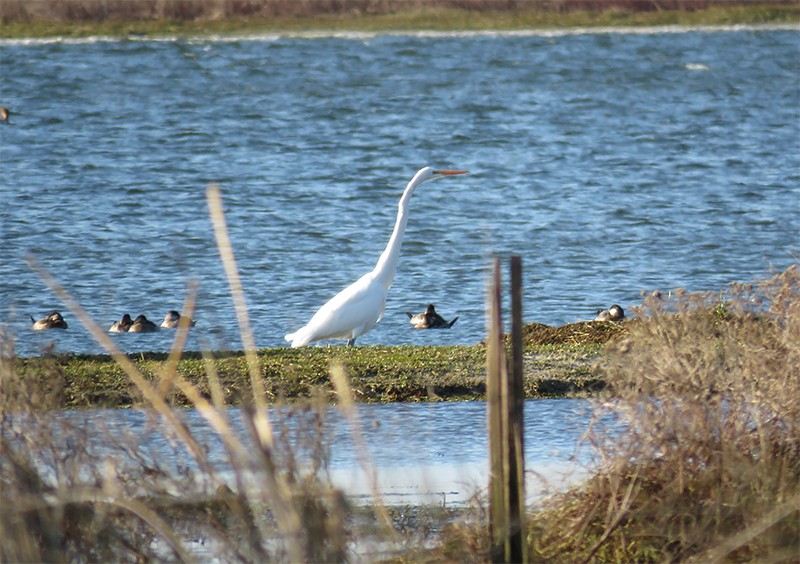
141, 324
428, 319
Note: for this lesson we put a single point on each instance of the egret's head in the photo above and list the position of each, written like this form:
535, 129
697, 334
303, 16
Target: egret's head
429, 173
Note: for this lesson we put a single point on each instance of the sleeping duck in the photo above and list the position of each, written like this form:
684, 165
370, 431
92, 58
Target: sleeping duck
142, 325
429, 320
614, 313
121, 326
52, 321
172, 319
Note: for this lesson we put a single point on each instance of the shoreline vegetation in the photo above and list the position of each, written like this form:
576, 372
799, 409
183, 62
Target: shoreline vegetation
122, 18
710, 383
559, 362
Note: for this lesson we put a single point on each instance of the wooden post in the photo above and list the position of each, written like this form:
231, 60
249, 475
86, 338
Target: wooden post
495, 375
515, 549
505, 402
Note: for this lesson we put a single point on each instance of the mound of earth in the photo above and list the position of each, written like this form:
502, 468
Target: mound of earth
581, 333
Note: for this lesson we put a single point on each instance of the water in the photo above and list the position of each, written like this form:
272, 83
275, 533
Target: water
420, 451
611, 162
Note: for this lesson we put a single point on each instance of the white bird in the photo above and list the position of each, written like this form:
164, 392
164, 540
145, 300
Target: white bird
356, 309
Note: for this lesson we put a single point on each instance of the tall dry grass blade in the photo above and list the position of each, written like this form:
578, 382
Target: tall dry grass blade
216, 418
181, 335
150, 394
620, 513
782, 511
262, 423
279, 492
280, 495
347, 406
160, 526
214, 385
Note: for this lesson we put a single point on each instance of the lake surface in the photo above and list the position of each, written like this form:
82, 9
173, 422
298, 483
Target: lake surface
431, 451
612, 162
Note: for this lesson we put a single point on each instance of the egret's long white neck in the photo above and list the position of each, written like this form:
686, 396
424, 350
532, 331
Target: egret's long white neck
387, 263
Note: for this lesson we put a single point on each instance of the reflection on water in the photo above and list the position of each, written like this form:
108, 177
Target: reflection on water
420, 451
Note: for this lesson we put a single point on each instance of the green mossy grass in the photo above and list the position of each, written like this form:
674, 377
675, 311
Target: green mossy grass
560, 362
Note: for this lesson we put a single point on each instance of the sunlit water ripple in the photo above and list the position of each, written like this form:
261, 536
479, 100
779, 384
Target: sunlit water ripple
612, 162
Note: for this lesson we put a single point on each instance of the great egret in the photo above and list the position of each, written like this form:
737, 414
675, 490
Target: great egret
429, 319
614, 313
121, 326
52, 321
356, 309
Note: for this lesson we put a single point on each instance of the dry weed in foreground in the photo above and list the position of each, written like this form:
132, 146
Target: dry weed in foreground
708, 464
73, 493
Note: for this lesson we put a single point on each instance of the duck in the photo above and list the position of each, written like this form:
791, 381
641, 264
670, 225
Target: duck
172, 319
5, 114
614, 313
142, 325
52, 321
429, 319
121, 326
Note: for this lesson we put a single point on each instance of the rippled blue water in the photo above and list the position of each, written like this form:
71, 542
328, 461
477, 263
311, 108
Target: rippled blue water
612, 162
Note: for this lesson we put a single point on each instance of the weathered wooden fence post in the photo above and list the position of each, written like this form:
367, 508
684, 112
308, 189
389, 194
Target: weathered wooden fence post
495, 373
505, 402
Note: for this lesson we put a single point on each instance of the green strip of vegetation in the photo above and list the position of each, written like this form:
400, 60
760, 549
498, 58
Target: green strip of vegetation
420, 19
377, 375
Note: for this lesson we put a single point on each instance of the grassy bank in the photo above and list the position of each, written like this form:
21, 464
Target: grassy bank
560, 362
81, 18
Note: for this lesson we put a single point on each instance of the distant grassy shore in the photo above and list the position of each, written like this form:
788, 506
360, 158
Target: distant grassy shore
560, 362
82, 18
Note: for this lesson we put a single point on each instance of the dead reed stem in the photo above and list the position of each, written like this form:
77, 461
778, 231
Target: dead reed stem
181, 335
261, 417
150, 394
348, 408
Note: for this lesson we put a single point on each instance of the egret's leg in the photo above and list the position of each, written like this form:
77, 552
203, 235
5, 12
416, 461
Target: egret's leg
351, 342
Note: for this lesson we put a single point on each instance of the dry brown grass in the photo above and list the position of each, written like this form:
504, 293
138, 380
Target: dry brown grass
707, 466
698, 443
182, 10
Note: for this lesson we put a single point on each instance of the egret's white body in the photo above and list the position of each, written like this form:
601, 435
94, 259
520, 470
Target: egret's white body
356, 309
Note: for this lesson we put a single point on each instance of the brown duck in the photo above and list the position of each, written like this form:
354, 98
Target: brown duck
142, 325
614, 313
52, 321
122, 326
429, 320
